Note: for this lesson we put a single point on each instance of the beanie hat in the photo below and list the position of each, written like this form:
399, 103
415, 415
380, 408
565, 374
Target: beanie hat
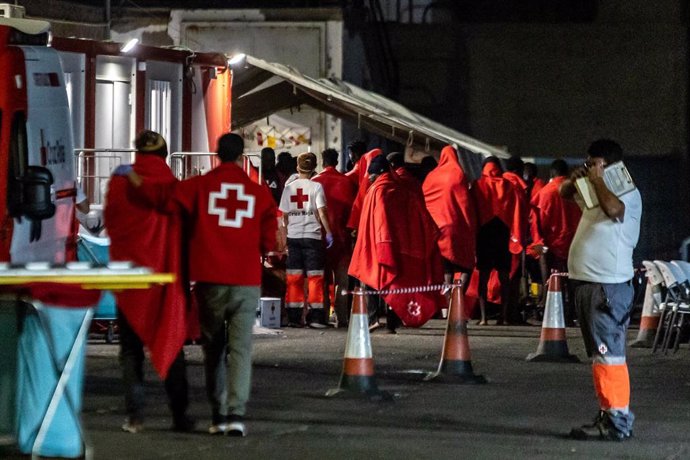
150, 141
378, 165
306, 162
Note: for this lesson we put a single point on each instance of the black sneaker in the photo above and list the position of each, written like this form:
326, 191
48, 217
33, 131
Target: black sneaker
317, 319
601, 429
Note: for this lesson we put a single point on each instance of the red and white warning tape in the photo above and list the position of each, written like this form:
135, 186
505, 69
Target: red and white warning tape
407, 290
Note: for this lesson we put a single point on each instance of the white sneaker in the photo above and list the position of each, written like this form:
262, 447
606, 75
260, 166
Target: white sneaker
218, 428
236, 428
131, 426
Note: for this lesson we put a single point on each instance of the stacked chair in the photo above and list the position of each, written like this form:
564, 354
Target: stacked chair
676, 304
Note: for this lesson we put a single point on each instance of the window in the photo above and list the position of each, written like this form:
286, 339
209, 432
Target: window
160, 106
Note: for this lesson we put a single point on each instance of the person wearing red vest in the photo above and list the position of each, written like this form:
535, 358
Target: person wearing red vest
340, 194
396, 246
233, 224
448, 199
156, 318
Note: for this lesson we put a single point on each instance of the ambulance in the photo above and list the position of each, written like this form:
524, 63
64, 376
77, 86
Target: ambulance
37, 174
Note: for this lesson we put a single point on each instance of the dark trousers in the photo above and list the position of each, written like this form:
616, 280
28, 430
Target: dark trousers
132, 364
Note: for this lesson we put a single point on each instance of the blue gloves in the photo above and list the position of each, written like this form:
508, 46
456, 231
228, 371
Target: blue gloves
329, 240
122, 170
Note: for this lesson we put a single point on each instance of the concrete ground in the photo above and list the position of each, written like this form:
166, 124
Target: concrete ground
525, 410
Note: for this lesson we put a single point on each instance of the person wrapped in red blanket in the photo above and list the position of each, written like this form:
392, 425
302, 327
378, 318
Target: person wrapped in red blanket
396, 246
448, 199
157, 318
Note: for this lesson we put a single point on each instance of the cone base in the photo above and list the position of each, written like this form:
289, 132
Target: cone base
456, 371
644, 342
359, 386
441, 377
549, 358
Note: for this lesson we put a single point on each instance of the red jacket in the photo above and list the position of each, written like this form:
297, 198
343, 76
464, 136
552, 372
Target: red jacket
149, 238
448, 199
554, 219
233, 223
396, 248
340, 194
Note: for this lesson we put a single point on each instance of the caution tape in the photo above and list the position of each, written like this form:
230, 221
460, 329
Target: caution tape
406, 290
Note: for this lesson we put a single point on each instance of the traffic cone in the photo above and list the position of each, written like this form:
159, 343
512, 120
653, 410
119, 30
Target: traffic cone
455, 365
553, 346
649, 320
358, 364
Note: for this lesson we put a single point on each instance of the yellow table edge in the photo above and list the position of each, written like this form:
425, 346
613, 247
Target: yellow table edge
124, 281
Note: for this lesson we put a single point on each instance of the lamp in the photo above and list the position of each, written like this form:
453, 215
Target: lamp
127, 47
236, 59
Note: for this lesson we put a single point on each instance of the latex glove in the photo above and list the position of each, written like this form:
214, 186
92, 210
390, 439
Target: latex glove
329, 240
122, 170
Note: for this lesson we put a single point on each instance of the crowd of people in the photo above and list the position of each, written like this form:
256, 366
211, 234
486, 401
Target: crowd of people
378, 225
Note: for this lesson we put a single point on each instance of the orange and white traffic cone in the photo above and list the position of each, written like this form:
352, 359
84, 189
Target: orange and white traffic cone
456, 364
553, 346
649, 322
358, 365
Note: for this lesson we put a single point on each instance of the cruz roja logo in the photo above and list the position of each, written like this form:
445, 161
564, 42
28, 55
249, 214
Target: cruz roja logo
231, 210
52, 153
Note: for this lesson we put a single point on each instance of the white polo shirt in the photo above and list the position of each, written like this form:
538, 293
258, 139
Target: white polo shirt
602, 248
301, 200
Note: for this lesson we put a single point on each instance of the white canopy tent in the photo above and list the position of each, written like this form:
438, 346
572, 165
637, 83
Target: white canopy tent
261, 88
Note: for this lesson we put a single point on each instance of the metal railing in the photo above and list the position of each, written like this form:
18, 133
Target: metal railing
189, 164
94, 167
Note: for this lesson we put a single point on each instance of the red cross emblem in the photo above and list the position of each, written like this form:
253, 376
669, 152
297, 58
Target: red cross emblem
300, 198
413, 308
231, 209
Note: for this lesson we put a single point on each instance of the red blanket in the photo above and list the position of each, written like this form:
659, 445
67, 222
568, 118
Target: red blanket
497, 197
396, 248
362, 176
149, 238
448, 199
554, 219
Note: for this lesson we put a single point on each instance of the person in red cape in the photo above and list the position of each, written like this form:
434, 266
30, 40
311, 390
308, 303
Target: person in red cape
340, 194
553, 224
500, 220
534, 182
360, 172
448, 199
396, 160
233, 225
157, 317
515, 168
396, 246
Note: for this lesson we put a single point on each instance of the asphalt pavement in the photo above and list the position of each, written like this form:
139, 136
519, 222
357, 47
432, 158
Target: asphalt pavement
524, 411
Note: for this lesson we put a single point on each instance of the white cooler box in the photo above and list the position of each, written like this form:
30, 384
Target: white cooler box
268, 312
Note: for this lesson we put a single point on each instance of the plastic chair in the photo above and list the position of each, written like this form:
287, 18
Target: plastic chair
677, 300
656, 282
